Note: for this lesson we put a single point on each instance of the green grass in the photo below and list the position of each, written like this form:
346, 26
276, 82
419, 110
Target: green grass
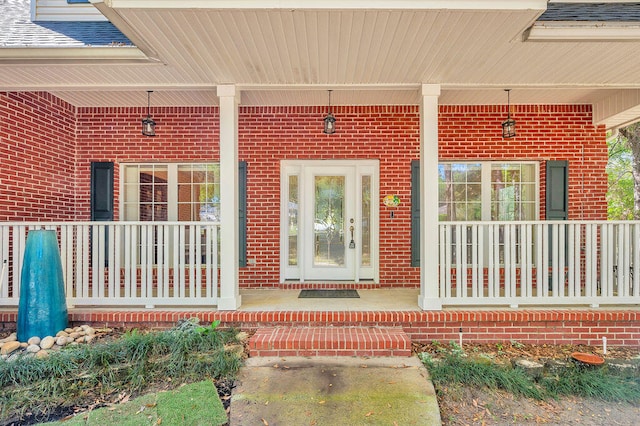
454, 367
130, 364
194, 404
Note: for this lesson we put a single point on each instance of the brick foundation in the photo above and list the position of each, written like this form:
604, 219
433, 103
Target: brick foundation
620, 327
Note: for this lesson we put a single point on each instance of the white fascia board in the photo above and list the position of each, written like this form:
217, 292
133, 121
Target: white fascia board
329, 4
72, 55
583, 31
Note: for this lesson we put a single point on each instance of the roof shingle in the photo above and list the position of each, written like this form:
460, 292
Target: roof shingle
18, 31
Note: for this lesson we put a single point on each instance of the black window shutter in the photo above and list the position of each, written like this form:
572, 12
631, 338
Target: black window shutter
102, 191
242, 214
415, 213
557, 198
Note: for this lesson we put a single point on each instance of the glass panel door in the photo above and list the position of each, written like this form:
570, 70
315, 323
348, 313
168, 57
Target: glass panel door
329, 221
328, 226
330, 194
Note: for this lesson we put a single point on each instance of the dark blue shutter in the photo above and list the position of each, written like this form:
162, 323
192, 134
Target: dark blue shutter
557, 199
242, 213
102, 191
102, 197
415, 213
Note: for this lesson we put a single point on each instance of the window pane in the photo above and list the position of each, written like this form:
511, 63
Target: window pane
145, 193
512, 191
293, 220
329, 221
460, 191
365, 226
199, 192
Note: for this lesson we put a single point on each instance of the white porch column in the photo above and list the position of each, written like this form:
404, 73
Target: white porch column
229, 224
429, 296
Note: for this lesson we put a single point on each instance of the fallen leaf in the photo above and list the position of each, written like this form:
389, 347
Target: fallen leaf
140, 410
321, 402
369, 414
265, 423
159, 421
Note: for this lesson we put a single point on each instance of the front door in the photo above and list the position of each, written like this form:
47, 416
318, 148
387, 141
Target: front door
328, 219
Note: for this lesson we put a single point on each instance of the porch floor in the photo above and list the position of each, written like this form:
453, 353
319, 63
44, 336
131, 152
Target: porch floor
370, 300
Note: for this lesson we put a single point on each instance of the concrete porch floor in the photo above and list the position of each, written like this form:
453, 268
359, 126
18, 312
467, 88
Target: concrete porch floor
404, 299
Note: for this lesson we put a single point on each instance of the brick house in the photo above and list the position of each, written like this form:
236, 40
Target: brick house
240, 92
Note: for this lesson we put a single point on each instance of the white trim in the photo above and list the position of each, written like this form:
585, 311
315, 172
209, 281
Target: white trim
331, 4
583, 31
429, 298
230, 298
73, 55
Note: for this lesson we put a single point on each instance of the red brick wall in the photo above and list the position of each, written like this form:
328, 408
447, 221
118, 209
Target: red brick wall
270, 134
391, 134
37, 147
188, 134
388, 133
543, 132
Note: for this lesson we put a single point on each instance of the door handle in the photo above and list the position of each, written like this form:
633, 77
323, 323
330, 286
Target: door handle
352, 244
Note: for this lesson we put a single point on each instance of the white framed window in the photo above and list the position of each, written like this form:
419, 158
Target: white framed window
170, 192
488, 191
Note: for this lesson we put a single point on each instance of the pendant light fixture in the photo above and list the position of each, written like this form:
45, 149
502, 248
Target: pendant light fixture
509, 125
148, 125
329, 120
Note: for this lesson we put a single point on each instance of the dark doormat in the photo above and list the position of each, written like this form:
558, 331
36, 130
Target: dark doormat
328, 294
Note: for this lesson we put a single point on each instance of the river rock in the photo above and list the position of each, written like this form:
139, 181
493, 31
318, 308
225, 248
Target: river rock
42, 354
62, 333
10, 338
61, 340
33, 349
47, 342
530, 367
75, 335
35, 340
9, 347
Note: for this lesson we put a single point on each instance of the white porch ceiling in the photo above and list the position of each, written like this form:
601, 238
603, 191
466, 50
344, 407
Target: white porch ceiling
289, 55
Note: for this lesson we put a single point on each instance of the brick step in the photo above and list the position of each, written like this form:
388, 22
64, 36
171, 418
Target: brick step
329, 341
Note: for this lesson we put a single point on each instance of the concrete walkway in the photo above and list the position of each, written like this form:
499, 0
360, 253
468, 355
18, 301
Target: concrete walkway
334, 391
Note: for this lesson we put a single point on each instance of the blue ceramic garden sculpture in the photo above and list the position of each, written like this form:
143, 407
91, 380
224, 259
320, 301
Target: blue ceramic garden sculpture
42, 310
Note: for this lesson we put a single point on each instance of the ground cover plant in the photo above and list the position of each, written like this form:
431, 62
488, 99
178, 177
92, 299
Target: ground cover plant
480, 385
92, 375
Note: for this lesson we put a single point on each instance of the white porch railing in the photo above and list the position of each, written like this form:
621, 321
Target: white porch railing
539, 263
123, 263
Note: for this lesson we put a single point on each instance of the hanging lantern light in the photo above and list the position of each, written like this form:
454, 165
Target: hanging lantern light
148, 125
509, 125
329, 120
